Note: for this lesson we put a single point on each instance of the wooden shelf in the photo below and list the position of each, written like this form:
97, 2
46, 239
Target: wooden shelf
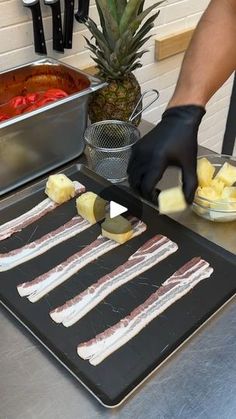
166, 46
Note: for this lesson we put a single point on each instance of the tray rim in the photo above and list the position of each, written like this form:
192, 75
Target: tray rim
142, 381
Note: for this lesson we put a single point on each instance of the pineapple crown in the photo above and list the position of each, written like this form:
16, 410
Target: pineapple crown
116, 46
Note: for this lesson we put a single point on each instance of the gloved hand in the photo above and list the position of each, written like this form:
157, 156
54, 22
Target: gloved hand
173, 142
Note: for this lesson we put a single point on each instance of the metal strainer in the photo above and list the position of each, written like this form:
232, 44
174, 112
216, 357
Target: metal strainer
109, 143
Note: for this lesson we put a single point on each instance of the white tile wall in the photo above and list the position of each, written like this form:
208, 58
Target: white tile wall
16, 47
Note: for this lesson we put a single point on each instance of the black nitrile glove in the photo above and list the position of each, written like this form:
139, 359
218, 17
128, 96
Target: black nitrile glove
173, 142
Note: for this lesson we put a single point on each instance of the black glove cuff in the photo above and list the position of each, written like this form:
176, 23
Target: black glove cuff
189, 113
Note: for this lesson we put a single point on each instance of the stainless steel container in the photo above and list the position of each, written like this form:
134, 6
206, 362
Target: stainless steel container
33, 143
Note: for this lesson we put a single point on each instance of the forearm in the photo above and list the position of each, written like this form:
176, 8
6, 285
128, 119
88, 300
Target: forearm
211, 56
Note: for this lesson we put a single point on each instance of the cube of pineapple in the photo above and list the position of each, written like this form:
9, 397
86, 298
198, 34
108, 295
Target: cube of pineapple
171, 200
117, 228
198, 198
60, 188
91, 207
229, 192
227, 174
205, 172
218, 185
208, 193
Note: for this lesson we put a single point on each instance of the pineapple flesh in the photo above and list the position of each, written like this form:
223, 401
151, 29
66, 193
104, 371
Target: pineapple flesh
117, 49
59, 188
171, 200
216, 193
205, 172
229, 193
91, 207
227, 174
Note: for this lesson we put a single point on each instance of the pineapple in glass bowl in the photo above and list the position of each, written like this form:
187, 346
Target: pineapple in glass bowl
215, 197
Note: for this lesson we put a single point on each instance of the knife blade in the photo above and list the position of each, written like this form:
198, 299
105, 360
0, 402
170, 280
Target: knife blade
83, 10
57, 34
39, 40
68, 23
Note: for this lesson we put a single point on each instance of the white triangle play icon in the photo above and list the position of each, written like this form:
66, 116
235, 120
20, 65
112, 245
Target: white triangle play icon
116, 209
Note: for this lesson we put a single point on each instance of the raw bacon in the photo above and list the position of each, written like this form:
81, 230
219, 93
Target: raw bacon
40, 286
31, 250
34, 214
148, 255
174, 288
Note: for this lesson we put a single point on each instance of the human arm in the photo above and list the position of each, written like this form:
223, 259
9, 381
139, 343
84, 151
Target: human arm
208, 62
211, 56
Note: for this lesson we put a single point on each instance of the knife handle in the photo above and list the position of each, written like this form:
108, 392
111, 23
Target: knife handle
68, 23
83, 11
39, 40
57, 27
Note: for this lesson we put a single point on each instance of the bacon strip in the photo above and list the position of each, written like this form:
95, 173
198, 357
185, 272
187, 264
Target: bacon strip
148, 255
34, 214
31, 250
36, 289
174, 288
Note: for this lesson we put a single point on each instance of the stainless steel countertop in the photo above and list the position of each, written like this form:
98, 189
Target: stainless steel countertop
198, 381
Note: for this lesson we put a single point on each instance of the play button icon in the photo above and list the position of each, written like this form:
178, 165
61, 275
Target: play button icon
116, 209
119, 201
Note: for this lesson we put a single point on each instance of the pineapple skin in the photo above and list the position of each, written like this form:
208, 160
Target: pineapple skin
116, 101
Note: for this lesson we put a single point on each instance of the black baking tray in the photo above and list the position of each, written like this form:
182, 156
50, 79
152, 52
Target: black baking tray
116, 377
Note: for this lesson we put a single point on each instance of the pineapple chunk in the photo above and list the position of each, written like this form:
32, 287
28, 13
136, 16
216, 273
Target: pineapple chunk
229, 192
217, 185
205, 172
117, 228
60, 188
227, 174
198, 198
171, 200
91, 207
208, 193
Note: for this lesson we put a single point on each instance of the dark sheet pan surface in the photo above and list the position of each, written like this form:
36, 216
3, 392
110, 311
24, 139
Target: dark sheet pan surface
119, 374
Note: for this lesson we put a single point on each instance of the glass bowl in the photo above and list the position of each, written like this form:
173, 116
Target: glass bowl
220, 210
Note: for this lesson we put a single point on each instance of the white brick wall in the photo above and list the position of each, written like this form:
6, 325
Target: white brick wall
16, 47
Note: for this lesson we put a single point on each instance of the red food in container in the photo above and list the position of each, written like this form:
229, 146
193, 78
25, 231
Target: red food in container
47, 131
56, 93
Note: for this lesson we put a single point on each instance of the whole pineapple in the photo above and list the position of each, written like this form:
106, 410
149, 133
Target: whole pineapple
116, 51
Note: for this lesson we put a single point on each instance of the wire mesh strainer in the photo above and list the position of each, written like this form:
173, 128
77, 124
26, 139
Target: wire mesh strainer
109, 143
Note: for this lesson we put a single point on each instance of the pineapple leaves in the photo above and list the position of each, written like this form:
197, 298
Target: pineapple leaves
135, 66
113, 9
98, 35
130, 13
120, 7
136, 23
131, 58
133, 20
102, 20
109, 21
104, 67
128, 42
125, 28
143, 31
141, 7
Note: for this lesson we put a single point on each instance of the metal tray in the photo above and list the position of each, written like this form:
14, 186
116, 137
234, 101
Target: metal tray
36, 142
114, 379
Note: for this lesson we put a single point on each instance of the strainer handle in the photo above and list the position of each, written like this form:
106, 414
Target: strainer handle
134, 115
